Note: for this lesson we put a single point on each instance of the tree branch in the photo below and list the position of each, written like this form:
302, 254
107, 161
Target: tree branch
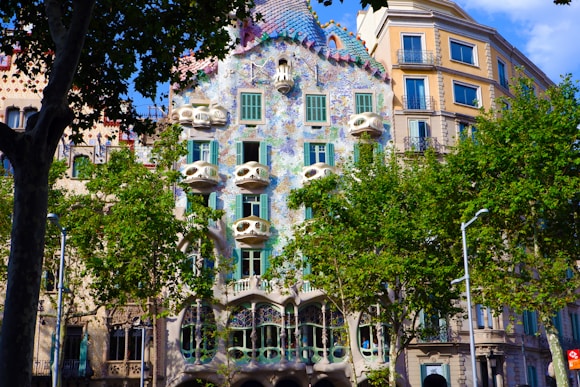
7, 140
53, 9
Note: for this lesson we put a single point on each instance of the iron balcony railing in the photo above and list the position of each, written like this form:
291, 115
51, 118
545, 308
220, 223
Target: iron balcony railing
415, 57
421, 144
417, 103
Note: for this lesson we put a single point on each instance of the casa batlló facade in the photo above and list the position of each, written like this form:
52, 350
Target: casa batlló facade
289, 105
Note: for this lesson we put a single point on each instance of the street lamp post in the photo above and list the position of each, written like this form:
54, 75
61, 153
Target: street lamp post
56, 362
468, 291
137, 323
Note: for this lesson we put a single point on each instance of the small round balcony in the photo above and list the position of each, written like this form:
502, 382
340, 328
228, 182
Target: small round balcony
316, 171
367, 122
251, 229
200, 174
252, 175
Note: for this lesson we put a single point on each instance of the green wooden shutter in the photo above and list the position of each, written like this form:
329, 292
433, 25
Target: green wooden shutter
263, 157
356, 153
212, 203
307, 161
251, 106
83, 354
213, 152
330, 154
308, 213
364, 102
446, 373
239, 153
315, 108
190, 145
237, 264
264, 207
265, 261
239, 206
307, 268
378, 148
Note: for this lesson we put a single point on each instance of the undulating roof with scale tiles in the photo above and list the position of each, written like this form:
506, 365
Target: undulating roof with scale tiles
294, 20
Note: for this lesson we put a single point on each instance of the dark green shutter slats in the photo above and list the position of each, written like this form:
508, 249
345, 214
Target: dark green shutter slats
264, 207
190, 145
213, 152
330, 154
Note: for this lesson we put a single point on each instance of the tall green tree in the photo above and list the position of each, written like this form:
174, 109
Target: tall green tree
523, 165
376, 238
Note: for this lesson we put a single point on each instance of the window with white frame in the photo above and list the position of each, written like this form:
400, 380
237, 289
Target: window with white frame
465, 94
316, 108
463, 52
363, 102
247, 151
484, 316
502, 74
250, 262
251, 107
252, 205
79, 162
13, 117
412, 49
204, 150
318, 153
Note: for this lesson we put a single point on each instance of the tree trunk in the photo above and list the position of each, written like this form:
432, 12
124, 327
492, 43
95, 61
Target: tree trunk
393, 360
24, 267
560, 368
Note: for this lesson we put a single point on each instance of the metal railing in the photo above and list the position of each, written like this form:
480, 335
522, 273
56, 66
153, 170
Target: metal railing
418, 103
415, 57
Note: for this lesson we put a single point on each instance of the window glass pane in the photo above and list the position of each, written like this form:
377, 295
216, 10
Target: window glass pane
27, 114
251, 106
251, 262
13, 118
415, 89
462, 52
201, 151
501, 74
364, 102
315, 108
412, 49
465, 95
251, 204
317, 153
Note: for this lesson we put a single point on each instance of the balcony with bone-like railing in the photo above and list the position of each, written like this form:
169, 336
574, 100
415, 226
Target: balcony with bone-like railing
200, 174
201, 117
252, 175
251, 229
316, 171
366, 122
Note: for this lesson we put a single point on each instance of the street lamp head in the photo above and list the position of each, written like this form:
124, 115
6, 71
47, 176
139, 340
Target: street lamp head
481, 212
55, 220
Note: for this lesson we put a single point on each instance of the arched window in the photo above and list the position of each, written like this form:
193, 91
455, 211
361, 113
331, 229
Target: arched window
240, 342
268, 327
311, 324
198, 327
373, 337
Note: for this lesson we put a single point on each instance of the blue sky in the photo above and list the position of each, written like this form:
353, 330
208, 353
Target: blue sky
547, 34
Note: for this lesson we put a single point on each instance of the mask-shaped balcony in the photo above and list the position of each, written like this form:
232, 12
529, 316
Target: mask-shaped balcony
200, 174
218, 114
367, 122
316, 171
283, 79
251, 229
252, 175
182, 115
201, 117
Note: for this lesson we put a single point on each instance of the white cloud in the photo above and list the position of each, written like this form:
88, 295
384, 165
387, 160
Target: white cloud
546, 33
